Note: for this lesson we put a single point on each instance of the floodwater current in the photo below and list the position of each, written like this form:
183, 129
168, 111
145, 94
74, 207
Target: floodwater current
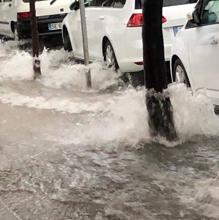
67, 152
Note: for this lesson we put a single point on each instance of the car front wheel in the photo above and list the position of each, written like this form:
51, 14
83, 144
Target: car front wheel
180, 74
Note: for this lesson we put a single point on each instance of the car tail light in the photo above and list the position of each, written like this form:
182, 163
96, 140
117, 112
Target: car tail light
135, 20
164, 19
23, 15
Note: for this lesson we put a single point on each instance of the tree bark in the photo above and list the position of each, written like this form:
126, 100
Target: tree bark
158, 103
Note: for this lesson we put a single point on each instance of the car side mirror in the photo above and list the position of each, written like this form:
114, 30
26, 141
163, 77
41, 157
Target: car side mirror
195, 17
75, 6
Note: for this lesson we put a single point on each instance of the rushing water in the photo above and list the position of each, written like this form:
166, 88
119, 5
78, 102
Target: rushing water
72, 153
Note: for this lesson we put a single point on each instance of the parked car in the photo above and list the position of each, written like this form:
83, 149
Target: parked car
195, 52
115, 33
15, 17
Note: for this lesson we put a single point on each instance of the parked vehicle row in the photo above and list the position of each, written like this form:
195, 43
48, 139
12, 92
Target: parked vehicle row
195, 53
115, 34
15, 17
114, 30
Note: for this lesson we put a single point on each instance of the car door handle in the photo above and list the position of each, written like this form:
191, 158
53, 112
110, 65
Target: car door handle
214, 41
101, 17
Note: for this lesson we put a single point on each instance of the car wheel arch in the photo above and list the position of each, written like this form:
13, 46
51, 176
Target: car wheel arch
105, 39
173, 60
65, 32
104, 42
12, 25
173, 63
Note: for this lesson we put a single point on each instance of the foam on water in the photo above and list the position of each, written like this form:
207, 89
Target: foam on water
194, 113
204, 197
113, 117
57, 70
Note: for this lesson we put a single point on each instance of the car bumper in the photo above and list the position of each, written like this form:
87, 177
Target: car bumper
130, 58
24, 26
130, 66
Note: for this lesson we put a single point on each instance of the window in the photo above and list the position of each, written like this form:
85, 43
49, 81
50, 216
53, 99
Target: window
89, 3
210, 14
177, 2
119, 3
138, 3
107, 3
29, 0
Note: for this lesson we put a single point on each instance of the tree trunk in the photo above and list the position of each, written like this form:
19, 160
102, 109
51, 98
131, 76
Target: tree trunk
158, 103
35, 40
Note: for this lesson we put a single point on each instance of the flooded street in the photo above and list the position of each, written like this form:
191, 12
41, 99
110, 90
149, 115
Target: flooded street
72, 153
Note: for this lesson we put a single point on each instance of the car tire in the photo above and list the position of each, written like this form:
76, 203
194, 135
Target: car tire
180, 74
67, 42
109, 56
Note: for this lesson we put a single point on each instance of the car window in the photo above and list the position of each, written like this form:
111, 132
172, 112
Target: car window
210, 14
177, 2
119, 3
138, 3
106, 3
89, 2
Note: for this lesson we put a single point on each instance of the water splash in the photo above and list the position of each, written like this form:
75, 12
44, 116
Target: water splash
117, 116
58, 71
194, 113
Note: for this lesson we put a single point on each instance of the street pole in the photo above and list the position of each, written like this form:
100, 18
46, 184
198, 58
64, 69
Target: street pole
35, 40
85, 42
160, 113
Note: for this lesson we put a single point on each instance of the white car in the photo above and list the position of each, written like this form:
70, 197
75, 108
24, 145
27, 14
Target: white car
195, 52
15, 17
115, 33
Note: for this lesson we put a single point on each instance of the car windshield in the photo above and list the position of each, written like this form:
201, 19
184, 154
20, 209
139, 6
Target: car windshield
138, 3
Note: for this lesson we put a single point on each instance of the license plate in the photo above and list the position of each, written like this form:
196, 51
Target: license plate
54, 26
176, 29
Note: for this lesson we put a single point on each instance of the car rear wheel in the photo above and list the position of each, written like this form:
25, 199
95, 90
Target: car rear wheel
180, 74
109, 56
67, 42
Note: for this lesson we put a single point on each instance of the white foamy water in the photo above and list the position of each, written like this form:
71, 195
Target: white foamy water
204, 197
110, 117
194, 113
57, 71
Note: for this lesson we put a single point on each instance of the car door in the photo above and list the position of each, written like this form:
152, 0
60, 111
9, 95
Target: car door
6, 11
75, 28
204, 48
100, 21
95, 14
1, 16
